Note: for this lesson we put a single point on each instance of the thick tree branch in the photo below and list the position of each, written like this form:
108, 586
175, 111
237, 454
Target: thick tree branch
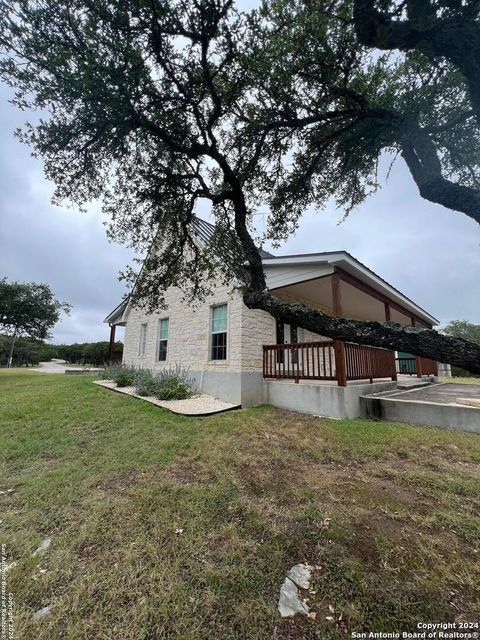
421, 158
421, 342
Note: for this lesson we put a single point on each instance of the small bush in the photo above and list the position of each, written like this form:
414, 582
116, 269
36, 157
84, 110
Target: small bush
146, 382
122, 375
169, 384
174, 384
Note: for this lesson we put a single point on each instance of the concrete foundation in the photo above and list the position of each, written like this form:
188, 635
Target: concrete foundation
245, 388
444, 370
330, 401
450, 416
250, 389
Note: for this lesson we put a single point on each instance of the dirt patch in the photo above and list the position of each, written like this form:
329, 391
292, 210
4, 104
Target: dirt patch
186, 473
119, 484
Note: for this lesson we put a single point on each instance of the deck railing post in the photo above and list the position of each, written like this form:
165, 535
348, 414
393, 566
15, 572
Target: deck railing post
418, 366
394, 366
340, 363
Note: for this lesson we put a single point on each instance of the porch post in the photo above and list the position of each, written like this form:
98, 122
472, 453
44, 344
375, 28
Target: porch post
336, 295
394, 367
387, 312
112, 342
340, 364
418, 366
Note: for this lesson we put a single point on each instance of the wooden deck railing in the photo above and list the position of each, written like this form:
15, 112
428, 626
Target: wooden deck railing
369, 362
426, 367
327, 360
303, 361
416, 365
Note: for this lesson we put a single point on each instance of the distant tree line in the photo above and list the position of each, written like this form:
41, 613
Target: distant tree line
26, 351
467, 331
95, 353
31, 351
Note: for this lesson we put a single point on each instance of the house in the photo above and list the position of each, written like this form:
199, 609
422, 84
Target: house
245, 356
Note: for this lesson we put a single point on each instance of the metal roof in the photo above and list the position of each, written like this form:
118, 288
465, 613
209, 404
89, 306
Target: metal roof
204, 230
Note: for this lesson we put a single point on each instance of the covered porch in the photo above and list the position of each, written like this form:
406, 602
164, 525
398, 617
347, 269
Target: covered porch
339, 285
117, 318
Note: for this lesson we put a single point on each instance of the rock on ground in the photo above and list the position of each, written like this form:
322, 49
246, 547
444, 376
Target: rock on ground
300, 574
42, 549
41, 613
289, 602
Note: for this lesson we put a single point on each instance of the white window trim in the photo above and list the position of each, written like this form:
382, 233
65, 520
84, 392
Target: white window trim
142, 342
210, 333
157, 354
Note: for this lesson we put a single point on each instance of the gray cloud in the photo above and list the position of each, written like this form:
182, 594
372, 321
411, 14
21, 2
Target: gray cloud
429, 253
64, 248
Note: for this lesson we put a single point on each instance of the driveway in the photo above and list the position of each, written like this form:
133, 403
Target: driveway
54, 366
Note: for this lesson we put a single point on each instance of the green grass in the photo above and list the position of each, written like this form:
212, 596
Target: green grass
459, 380
388, 511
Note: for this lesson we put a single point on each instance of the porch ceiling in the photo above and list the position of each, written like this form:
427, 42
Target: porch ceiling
287, 271
355, 303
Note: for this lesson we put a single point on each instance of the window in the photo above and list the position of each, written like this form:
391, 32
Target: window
162, 339
143, 340
219, 332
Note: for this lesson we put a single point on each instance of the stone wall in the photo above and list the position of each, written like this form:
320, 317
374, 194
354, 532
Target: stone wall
189, 334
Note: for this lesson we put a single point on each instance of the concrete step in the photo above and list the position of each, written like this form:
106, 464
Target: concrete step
414, 385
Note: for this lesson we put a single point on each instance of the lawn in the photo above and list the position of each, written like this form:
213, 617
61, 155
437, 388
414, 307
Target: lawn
184, 528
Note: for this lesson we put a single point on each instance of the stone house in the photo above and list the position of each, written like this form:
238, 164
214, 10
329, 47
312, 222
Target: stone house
246, 357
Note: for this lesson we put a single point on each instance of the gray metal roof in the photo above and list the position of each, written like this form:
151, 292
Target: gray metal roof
204, 230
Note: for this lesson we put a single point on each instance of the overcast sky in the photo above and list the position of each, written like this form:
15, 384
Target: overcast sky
429, 253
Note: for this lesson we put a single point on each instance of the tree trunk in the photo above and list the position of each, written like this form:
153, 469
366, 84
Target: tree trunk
10, 356
421, 342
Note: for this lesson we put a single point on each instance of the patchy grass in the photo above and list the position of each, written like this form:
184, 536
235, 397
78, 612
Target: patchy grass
459, 380
184, 528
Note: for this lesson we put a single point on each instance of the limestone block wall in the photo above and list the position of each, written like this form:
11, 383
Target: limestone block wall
258, 328
189, 333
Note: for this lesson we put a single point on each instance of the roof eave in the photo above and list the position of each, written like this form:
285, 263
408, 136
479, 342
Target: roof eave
336, 258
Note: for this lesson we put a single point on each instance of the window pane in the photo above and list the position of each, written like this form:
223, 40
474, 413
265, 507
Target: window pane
164, 329
162, 350
219, 318
143, 340
219, 346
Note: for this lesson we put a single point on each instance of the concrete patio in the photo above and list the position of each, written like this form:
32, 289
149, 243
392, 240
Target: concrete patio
448, 405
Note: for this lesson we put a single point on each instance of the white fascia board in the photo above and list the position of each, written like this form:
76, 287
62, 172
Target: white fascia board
310, 258
118, 315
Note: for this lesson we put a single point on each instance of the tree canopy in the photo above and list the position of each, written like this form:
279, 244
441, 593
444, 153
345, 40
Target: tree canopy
463, 329
28, 309
154, 106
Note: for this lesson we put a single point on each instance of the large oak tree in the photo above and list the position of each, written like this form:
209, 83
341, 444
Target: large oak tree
153, 106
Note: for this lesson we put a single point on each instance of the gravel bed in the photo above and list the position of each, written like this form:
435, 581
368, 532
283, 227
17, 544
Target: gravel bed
197, 405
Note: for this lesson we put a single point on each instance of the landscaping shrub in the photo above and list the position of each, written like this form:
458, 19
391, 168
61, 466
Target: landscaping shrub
174, 384
123, 375
170, 384
146, 382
